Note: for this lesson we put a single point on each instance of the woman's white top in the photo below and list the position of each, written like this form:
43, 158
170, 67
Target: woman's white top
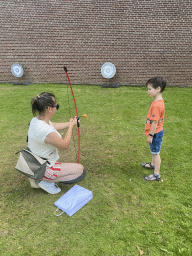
38, 131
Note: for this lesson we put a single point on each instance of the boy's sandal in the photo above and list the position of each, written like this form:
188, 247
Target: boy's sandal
151, 167
154, 177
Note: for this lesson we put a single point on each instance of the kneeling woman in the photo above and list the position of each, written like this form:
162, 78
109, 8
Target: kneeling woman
44, 140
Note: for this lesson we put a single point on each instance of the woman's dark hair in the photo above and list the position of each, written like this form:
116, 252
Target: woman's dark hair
40, 102
157, 82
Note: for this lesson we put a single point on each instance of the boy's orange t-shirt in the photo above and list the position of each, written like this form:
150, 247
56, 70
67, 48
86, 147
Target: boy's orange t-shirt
156, 113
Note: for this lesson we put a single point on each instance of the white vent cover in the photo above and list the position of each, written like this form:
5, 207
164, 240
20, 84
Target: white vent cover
17, 70
108, 70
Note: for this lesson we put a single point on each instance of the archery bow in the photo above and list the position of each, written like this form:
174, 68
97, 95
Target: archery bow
78, 125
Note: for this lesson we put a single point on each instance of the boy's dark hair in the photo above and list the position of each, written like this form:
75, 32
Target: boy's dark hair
157, 82
40, 102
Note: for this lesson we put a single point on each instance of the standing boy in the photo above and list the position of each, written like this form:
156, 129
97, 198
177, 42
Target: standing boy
154, 125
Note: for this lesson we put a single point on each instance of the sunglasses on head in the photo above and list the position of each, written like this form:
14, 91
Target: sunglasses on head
57, 106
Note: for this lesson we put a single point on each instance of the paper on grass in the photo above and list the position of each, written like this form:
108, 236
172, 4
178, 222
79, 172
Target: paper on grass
74, 200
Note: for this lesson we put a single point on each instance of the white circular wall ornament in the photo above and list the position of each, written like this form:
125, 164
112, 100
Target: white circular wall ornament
108, 70
17, 70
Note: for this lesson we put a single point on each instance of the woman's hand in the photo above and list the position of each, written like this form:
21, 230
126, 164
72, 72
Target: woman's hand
73, 122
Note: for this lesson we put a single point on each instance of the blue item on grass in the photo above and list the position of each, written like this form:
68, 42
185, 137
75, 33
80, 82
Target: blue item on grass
73, 200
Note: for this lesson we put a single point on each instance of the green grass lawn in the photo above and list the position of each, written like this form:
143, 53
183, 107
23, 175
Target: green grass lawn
125, 210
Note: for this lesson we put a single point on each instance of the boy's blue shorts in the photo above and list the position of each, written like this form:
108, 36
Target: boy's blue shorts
155, 146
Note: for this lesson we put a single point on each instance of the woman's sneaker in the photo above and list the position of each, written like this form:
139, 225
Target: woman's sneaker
51, 188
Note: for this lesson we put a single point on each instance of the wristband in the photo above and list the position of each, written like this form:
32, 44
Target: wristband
152, 135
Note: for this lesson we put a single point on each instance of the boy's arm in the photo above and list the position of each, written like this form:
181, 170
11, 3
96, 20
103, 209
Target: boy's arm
152, 131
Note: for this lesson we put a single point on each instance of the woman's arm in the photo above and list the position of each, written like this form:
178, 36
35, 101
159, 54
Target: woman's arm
54, 139
61, 126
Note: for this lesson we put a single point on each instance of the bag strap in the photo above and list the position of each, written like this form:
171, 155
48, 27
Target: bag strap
39, 156
27, 134
58, 214
31, 152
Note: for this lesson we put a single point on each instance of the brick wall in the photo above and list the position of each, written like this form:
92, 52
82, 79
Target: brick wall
142, 38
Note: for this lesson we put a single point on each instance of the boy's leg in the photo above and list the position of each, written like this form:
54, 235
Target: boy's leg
157, 163
156, 160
